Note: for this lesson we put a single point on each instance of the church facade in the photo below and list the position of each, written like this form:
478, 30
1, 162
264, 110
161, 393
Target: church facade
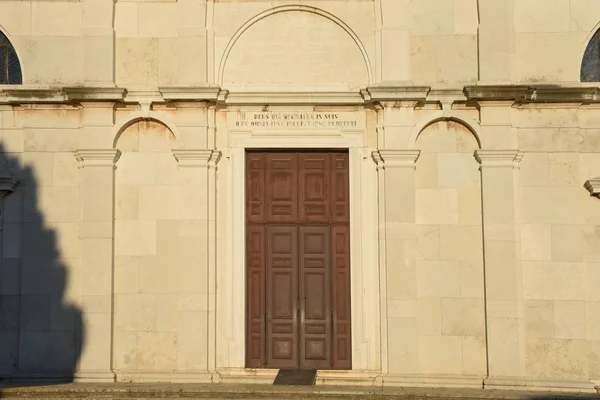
390, 192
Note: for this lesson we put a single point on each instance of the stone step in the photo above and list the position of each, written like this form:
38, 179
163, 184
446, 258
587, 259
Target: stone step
248, 391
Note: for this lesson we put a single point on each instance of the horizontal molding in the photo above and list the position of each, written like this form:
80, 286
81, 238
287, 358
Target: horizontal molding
374, 94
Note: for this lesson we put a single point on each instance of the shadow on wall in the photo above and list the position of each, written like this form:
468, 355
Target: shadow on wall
41, 332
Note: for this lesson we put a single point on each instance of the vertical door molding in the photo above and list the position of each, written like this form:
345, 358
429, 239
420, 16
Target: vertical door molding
97, 241
364, 278
502, 268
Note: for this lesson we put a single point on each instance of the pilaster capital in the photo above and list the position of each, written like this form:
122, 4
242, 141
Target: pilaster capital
97, 157
215, 157
196, 157
499, 158
593, 186
8, 180
396, 158
7, 185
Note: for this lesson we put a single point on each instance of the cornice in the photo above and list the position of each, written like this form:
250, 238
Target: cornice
593, 186
534, 93
387, 92
496, 92
290, 98
31, 94
190, 93
95, 93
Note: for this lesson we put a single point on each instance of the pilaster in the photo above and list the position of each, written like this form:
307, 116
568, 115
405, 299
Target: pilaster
196, 349
398, 244
97, 241
502, 268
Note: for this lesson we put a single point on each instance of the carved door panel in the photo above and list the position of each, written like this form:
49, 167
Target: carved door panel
298, 260
315, 310
282, 296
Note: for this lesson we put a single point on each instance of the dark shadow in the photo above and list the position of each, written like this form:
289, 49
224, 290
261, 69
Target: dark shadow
41, 332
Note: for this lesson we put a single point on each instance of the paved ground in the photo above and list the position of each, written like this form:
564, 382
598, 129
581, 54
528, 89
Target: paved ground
228, 391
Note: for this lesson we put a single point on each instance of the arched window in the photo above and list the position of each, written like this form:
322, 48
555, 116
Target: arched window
590, 67
10, 68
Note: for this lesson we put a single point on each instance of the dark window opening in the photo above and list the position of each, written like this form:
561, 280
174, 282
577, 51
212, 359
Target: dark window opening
590, 67
10, 67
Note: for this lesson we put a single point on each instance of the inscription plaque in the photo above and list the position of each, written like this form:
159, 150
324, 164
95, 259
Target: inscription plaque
295, 120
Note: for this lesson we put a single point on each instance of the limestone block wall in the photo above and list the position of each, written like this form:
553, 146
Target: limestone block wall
160, 43
42, 291
560, 241
428, 41
62, 42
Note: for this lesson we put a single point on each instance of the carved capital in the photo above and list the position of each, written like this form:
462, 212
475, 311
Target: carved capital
97, 157
499, 158
187, 158
398, 158
593, 186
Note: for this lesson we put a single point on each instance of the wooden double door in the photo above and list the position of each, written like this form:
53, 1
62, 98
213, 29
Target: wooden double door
298, 260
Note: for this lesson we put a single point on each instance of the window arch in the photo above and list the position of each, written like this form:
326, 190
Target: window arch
10, 67
590, 67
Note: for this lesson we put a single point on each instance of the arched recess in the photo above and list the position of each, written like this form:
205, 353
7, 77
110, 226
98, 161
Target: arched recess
11, 72
291, 8
134, 117
449, 255
473, 126
590, 61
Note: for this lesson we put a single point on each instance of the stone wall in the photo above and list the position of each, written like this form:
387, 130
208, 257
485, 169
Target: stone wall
475, 246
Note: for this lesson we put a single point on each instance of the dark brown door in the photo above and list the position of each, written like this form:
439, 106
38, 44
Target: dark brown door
298, 260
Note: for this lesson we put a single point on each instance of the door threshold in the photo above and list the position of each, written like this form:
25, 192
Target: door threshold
296, 377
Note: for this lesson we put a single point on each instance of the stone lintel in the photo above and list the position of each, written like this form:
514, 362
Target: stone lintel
97, 157
190, 93
194, 157
593, 186
398, 158
498, 158
95, 93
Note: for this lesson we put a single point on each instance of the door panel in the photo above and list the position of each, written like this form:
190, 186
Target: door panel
282, 296
340, 246
313, 187
340, 190
255, 187
255, 289
298, 260
315, 323
281, 185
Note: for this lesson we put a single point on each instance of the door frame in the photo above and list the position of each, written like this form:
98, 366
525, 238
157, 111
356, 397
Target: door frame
364, 249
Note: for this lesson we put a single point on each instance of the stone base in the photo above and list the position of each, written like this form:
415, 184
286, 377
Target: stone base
518, 383
347, 378
165, 377
431, 381
247, 375
58, 377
